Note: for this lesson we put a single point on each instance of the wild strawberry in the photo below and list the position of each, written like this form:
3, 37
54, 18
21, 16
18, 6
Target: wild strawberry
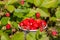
35, 25
31, 20
21, 24
44, 23
39, 22
41, 29
37, 15
54, 33
8, 26
22, 2
26, 22
7, 14
32, 28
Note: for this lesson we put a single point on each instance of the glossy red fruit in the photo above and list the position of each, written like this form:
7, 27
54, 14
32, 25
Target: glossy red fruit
26, 27
44, 23
35, 25
8, 26
39, 22
22, 2
54, 33
31, 20
21, 24
7, 14
26, 22
41, 29
37, 15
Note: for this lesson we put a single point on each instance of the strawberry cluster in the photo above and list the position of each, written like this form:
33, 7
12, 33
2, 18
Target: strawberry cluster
33, 24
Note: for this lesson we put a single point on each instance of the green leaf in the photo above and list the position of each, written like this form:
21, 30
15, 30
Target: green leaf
18, 36
44, 36
38, 2
38, 35
58, 12
10, 8
23, 10
1, 32
49, 3
4, 36
11, 2
53, 19
4, 20
43, 13
18, 13
59, 1
1, 2
31, 36
31, 13
15, 25
31, 1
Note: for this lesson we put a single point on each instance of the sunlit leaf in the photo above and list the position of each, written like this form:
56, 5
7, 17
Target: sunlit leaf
4, 36
58, 12
10, 8
31, 36
15, 25
31, 13
18, 36
4, 20
49, 3
18, 13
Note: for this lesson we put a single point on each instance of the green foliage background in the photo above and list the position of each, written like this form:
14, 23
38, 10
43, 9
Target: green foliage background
49, 11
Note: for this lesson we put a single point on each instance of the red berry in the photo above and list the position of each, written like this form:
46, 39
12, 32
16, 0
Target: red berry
35, 25
26, 22
7, 14
54, 32
37, 15
44, 23
39, 22
21, 24
8, 26
32, 28
31, 20
22, 2
26, 27
41, 29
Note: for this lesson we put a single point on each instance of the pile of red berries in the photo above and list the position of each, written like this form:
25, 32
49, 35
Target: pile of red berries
32, 24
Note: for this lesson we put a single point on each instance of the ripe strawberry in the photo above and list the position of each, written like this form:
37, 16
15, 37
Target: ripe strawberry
41, 29
22, 2
31, 20
54, 33
21, 24
32, 28
8, 26
35, 25
44, 23
26, 22
7, 14
37, 15
39, 22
